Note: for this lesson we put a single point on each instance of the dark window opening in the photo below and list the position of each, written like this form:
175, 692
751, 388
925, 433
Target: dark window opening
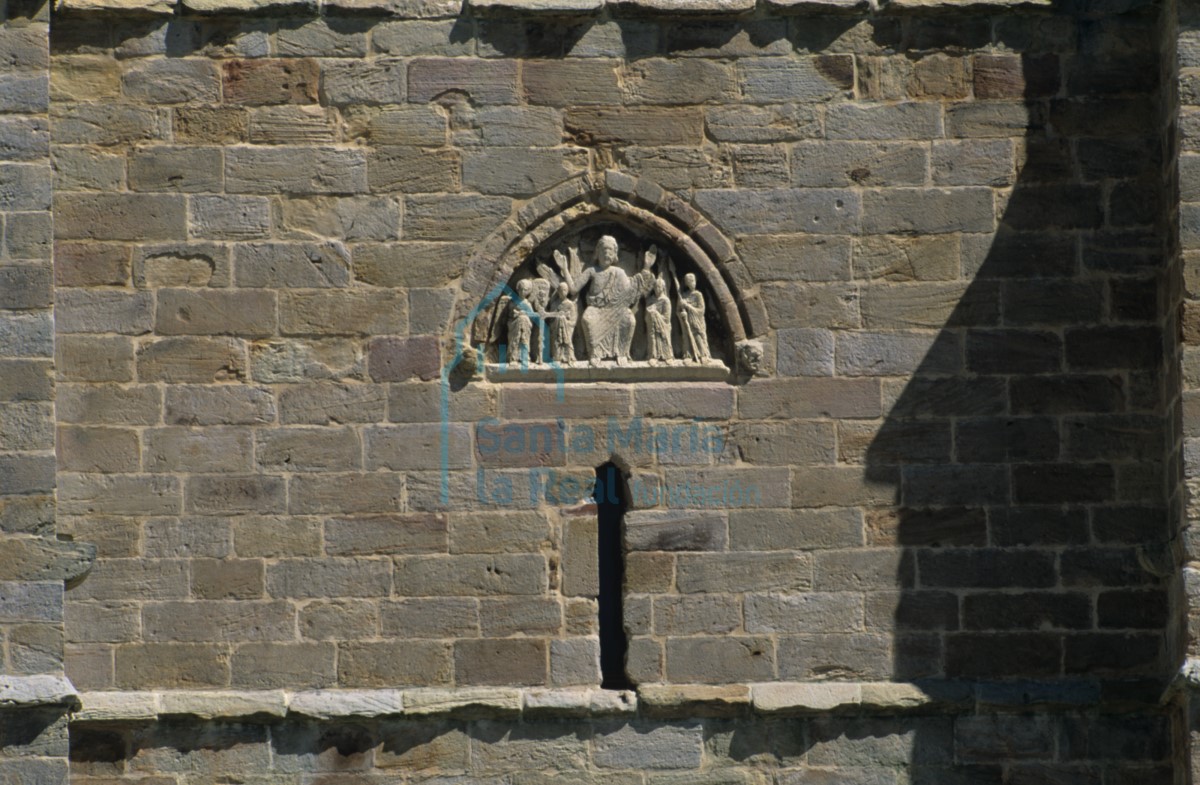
611, 503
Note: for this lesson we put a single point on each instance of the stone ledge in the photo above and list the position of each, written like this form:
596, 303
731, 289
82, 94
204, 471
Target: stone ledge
27, 692
657, 701
429, 9
40, 559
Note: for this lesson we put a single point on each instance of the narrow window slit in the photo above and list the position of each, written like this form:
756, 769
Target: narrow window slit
611, 502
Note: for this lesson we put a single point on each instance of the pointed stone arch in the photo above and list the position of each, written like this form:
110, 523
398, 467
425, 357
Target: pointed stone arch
637, 204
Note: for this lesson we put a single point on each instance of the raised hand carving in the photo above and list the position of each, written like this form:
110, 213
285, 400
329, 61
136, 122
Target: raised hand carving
608, 320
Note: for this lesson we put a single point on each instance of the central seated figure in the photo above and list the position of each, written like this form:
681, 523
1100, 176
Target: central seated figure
608, 321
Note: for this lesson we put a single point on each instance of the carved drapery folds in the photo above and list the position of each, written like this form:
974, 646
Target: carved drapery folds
605, 297
604, 288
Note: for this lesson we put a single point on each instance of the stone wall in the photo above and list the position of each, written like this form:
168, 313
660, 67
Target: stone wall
959, 464
33, 565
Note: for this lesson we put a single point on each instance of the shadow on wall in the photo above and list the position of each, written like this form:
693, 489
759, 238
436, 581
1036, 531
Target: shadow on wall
1034, 449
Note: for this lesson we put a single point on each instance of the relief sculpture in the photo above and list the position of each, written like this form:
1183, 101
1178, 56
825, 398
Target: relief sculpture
586, 310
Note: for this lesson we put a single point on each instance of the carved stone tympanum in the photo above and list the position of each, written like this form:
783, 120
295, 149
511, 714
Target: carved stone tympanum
605, 299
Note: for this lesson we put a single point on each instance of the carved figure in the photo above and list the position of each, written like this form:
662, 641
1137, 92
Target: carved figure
658, 324
749, 357
520, 326
608, 320
691, 317
563, 319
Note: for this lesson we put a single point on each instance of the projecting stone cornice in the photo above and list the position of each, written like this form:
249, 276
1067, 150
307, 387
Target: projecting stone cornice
657, 701
433, 9
37, 691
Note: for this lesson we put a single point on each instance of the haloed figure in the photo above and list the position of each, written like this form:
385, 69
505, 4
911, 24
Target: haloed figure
608, 320
691, 313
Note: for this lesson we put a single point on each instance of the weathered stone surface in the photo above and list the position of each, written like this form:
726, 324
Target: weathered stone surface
675, 531
274, 81
773, 80
663, 747
171, 665
187, 312
265, 666
575, 702
332, 403
388, 663
202, 360
37, 690
635, 125
229, 217
348, 218
38, 559
537, 6
470, 575
693, 700
688, 6
453, 219
127, 705
484, 81
292, 265
337, 704
270, 226
796, 698
520, 172
401, 359
172, 81
468, 702
120, 217
719, 659
777, 211
299, 170
121, 6
222, 704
